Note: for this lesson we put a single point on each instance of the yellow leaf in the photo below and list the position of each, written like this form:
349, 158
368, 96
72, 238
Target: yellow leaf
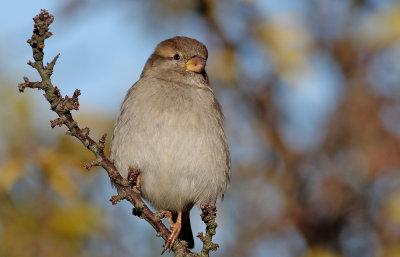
223, 65
10, 173
379, 29
390, 251
288, 42
76, 221
57, 173
18, 235
392, 207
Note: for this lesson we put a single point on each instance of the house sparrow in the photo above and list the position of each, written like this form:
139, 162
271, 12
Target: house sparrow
170, 129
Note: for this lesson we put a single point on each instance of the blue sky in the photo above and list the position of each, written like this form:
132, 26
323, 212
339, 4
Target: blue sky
100, 56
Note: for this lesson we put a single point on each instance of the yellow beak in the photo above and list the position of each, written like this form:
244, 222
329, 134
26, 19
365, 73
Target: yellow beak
196, 64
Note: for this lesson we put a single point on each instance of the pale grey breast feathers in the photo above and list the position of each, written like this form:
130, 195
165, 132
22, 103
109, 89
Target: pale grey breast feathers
173, 134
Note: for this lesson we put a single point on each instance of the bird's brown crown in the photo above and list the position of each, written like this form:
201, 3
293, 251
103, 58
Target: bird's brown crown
187, 47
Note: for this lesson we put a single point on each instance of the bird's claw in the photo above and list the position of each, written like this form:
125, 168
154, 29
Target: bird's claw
175, 229
134, 177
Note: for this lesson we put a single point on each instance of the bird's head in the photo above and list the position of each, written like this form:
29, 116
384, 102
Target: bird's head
180, 59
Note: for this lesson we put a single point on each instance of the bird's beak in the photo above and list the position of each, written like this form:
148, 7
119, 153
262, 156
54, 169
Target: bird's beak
196, 64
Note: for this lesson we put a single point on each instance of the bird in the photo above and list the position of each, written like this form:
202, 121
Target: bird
170, 128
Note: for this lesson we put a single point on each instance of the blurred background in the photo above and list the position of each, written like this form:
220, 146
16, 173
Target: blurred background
311, 94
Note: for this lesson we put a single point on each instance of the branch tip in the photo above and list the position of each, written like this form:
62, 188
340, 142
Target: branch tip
200, 235
96, 162
209, 212
116, 198
77, 93
27, 83
21, 87
58, 122
43, 18
32, 64
208, 216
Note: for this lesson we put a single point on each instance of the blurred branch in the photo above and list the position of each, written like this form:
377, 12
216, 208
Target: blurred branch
263, 102
63, 107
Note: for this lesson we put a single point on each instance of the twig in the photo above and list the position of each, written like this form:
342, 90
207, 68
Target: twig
208, 215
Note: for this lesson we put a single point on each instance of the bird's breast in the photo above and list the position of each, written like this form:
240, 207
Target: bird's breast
175, 138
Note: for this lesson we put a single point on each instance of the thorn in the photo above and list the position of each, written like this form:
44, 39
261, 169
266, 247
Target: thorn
49, 67
200, 235
32, 64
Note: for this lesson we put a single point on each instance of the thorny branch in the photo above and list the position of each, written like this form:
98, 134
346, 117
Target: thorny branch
126, 187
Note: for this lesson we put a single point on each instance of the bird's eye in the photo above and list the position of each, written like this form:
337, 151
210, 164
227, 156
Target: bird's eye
177, 57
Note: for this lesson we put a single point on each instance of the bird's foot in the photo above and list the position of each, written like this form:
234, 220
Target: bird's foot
168, 215
138, 179
134, 177
175, 229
